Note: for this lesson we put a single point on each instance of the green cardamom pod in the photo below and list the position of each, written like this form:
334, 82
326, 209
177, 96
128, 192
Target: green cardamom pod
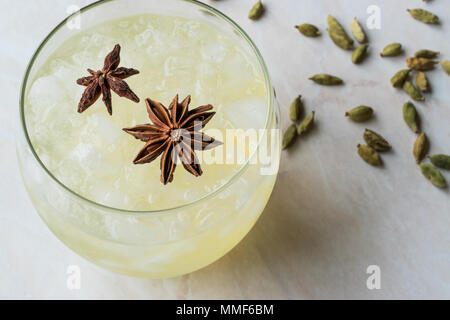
358, 31
306, 124
376, 141
446, 66
422, 82
257, 11
289, 137
369, 155
399, 78
392, 50
308, 30
433, 174
420, 64
412, 91
338, 34
440, 160
429, 54
424, 16
296, 109
421, 146
360, 114
359, 54
326, 80
411, 117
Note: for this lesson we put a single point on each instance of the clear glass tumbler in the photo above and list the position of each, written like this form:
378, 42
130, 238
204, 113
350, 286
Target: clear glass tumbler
155, 244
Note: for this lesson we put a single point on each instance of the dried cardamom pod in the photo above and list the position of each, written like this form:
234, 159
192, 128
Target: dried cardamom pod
409, 88
296, 108
446, 66
369, 155
399, 78
326, 80
360, 114
433, 174
392, 50
359, 54
426, 54
376, 141
420, 64
306, 124
358, 31
308, 30
422, 82
338, 34
424, 16
257, 11
421, 146
289, 137
411, 117
440, 160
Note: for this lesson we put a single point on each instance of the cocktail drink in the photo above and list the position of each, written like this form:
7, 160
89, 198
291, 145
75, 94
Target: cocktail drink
78, 167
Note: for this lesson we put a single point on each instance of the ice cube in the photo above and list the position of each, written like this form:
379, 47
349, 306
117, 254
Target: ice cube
237, 63
143, 37
169, 66
152, 36
213, 51
86, 153
108, 195
245, 193
45, 95
124, 24
63, 70
192, 195
247, 113
100, 122
69, 172
82, 59
88, 160
187, 28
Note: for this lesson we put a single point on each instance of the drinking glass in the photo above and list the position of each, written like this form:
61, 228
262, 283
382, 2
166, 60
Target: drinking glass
163, 243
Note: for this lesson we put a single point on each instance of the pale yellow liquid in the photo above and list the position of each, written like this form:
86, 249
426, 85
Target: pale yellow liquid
91, 155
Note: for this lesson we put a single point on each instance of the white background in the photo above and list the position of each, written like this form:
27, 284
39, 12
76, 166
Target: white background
330, 216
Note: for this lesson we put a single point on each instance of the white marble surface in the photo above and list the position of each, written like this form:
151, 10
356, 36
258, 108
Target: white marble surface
330, 216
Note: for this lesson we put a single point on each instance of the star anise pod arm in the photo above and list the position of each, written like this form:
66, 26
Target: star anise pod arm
123, 73
151, 150
168, 163
85, 81
158, 114
106, 93
201, 141
189, 159
90, 95
112, 60
145, 132
179, 110
121, 88
200, 116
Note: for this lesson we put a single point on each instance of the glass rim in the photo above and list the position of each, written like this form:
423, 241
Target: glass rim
231, 179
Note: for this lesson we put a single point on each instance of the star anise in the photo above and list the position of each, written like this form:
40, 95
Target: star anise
175, 133
103, 81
